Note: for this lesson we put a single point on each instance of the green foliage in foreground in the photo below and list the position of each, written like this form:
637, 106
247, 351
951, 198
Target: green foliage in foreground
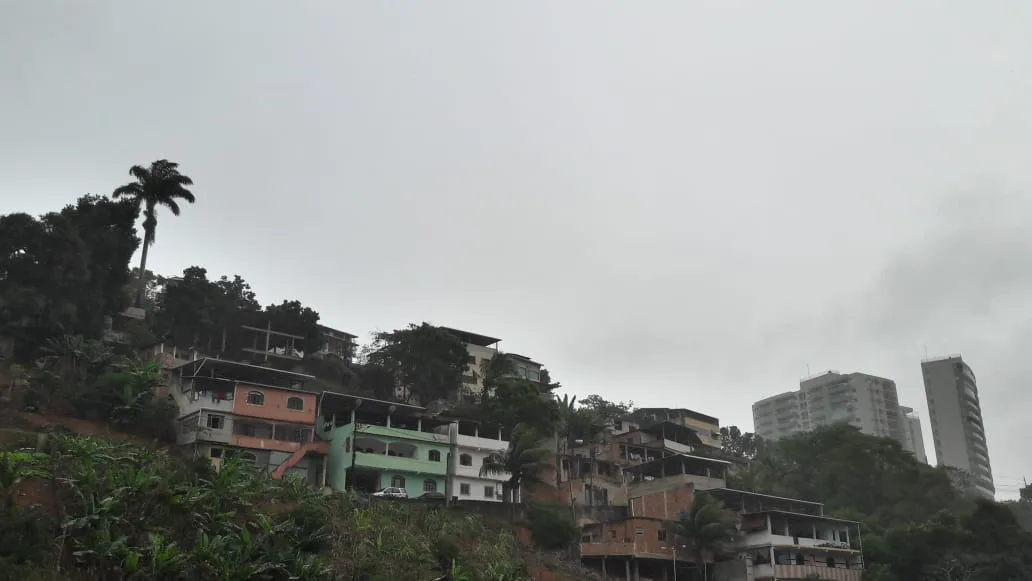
112, 511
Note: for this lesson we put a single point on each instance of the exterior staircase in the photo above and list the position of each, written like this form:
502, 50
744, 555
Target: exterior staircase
322, 448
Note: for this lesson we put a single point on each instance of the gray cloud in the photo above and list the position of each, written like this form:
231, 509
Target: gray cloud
683, 205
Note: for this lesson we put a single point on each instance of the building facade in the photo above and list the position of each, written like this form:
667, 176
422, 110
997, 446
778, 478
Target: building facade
229, 409
913, 438
789, 540
377, 444
705, 426
474, 444
867, 402
778, 416
955, 413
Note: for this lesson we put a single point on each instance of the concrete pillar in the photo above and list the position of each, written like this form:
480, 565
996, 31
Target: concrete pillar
627, 569
637, 572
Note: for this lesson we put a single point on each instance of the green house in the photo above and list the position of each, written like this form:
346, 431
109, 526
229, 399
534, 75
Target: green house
376, 444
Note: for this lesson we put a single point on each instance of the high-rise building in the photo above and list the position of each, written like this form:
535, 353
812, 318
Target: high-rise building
866, 402
956, 417
913, 438
778, 416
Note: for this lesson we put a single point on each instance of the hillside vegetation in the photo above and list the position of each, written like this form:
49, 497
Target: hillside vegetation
89, 508
916, 525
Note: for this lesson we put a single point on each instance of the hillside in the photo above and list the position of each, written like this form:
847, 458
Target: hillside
91, 507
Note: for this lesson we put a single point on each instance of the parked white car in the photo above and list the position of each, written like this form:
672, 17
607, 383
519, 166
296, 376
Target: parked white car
391, 492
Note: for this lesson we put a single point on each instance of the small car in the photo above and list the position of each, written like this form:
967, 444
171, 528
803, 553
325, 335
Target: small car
391, 492
432, 497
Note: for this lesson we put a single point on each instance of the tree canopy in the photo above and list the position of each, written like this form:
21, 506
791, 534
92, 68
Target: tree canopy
736, 443
427, 362
917, 526
65, 272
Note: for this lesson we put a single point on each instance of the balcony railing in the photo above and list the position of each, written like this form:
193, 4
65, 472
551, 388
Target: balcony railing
806, 571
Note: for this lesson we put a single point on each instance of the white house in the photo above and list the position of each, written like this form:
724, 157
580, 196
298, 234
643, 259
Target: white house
472, 445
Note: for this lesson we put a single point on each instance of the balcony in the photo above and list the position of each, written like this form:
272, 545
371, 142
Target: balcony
386, 454
265, 436
618, 548
400, 463
489, 444
768, 538
823, 573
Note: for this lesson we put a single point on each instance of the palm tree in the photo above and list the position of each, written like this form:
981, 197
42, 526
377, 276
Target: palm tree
567, 410
705, 528
159, 185
522, 462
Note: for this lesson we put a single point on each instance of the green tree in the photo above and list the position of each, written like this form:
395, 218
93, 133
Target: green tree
192, 311
303, 320
161, 184
739, 444
848, 470
522, 462
519, 401
426, 361
707, 529
495, 371
64, 273
606, 411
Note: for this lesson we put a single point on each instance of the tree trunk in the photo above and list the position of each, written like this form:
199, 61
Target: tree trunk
147, 237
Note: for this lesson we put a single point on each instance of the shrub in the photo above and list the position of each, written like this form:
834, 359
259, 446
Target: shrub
552, 527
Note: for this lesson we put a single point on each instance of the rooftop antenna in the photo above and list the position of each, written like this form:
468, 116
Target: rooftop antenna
808, 370
926, 351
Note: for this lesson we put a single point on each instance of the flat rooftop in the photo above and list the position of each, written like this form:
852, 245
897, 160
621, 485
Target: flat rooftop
472, 338
684, 412
208, 367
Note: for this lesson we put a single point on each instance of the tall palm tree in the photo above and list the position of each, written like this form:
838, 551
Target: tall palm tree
706, 528
522, 462
159, 185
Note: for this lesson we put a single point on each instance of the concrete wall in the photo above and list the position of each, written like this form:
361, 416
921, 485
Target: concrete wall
667, 504
275, 406
673, 483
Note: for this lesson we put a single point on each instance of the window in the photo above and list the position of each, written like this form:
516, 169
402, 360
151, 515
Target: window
489, 492
255, 398
465, 459
639, 532
296, 404
464, 489
249, 457
216, 422
433, 456
429, 485
215, 452
398, 481
661, 535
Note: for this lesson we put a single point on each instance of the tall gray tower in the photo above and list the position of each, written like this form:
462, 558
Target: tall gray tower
956, 417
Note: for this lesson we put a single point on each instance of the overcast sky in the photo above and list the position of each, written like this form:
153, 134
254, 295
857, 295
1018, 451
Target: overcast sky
683, 204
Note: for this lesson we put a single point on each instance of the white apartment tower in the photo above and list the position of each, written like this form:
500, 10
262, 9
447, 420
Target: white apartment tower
866, 402
913, 438
956, 416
